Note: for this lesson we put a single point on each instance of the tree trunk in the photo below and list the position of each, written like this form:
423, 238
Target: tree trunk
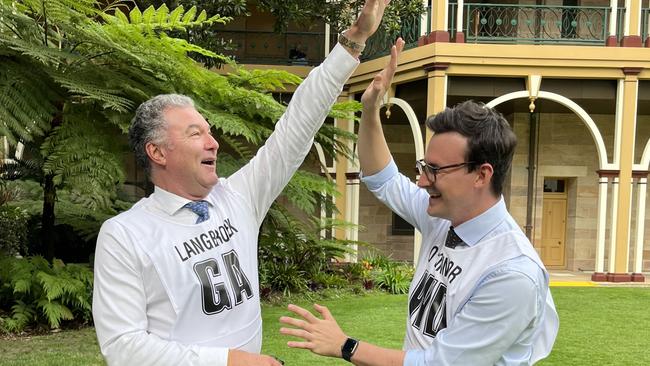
47, 222
49, 197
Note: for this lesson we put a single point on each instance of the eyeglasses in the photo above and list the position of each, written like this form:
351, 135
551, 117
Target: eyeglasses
431, 171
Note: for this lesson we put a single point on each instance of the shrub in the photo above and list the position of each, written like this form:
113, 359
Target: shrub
13, 226
34, 292
394, 277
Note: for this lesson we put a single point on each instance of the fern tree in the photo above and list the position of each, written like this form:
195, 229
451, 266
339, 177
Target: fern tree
74, 70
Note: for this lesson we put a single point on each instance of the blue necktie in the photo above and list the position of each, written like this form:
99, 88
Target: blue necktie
200, 208
452, 239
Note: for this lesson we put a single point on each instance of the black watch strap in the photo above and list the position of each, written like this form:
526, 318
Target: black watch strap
348, 348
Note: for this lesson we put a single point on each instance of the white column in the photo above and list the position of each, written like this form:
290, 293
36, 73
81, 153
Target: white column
626, 25
640, 224
425, 18
327, 39
613, 17
352, 216
602, 223
459, 17
612, 240
446, 23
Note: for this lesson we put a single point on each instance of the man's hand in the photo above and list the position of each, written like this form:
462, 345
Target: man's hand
372, 97
367, 22
322, 336
241, 358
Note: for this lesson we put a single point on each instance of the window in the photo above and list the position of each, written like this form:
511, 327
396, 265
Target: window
554, 185
401, 226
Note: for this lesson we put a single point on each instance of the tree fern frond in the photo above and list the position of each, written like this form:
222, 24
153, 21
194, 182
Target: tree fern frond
235, 125
243, 149
263, 80
152, 19
305, 188
55, 312
80, 85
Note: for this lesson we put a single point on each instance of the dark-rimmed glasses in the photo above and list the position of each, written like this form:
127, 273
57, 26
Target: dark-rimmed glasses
431, 172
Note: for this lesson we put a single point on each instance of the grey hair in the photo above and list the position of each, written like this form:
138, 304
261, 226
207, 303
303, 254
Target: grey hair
148, 124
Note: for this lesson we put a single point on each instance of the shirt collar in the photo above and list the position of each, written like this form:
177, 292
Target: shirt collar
472, 231
169, 202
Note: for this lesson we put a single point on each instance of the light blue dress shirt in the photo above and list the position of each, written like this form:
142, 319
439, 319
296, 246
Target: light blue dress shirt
500, 320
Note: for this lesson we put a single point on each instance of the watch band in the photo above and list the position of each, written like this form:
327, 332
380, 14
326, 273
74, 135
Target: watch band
347, 42
348, 348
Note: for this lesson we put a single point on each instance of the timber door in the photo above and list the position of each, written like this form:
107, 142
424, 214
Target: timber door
554, 219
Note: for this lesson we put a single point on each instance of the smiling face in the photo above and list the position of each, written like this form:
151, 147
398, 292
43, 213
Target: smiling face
185, 163
454, 194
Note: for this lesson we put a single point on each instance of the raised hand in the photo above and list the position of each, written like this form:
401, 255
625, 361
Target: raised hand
370, 17
321, 336
371, 98
367, 23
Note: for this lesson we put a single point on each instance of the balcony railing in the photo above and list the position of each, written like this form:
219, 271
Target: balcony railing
496, 23
645, 23
482, 23
381, 42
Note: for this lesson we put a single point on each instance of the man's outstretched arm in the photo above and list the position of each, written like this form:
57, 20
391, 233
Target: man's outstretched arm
325, 337
374, 154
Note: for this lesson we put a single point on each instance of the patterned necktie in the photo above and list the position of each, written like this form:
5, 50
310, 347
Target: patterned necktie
200, 208
452, 239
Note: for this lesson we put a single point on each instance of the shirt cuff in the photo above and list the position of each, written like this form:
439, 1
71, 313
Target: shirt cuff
375, 181
343, 64
213, 356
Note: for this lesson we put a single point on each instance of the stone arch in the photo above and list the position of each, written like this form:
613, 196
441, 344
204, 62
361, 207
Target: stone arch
575, 108
413, 122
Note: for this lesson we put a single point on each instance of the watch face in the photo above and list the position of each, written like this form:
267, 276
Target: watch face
348, 349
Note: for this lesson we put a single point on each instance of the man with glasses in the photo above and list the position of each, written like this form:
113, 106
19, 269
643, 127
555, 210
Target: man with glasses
480, 294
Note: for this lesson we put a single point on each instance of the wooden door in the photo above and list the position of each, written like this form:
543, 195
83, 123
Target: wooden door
554, 219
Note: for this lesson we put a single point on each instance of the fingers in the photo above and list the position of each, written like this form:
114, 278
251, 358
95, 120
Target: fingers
302, 312
304, 345
324, 311
296, 333
298, 323
394, 53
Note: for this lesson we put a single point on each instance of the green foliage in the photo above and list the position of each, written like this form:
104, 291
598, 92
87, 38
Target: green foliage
379, 270
72, 208
339, 14
13, 226
74, 70
394, 278
37, 293
292, 256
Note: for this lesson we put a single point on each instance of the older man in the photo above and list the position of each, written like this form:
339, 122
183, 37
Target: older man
176, 277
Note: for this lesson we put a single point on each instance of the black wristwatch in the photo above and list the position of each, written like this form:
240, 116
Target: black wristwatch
348, 348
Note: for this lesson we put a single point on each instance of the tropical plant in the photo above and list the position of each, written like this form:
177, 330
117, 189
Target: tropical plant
294, 260
35, 292
74, 70
394, 277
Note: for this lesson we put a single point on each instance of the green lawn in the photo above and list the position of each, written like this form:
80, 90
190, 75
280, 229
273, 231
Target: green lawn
598, 326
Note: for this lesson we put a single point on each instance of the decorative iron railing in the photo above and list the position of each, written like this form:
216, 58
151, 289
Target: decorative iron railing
620, 23
498, 23
379, 44
645, 23
271, 48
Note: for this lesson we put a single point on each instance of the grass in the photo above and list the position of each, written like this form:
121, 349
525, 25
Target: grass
598, 327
